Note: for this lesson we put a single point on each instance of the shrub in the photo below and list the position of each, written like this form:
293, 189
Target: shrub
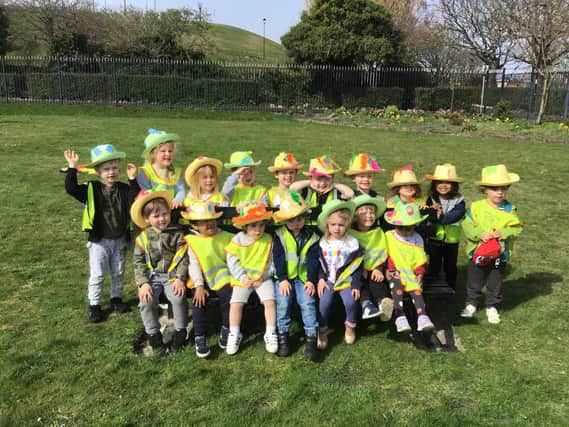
390, 112
503, 110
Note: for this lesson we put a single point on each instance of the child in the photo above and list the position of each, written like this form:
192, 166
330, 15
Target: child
406, 264
207, 270
106, 218
158, 171
362, 170
285, 169
450, 209
240, 185
250, 263
489, 222
371, 238
160, 265
320, 188
295, 255
404, 188
201, 177
341, 260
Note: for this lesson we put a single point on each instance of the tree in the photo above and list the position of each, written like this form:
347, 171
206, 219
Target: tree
3, 31
344, 32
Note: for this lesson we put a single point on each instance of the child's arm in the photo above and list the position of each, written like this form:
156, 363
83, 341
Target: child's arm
346, 192
143, 181
72, 187
180, 193
141, 276
279, 261
195, 273
455, 215
472, 231
511, 231
236, 270
300, 185
133, 187
229, 185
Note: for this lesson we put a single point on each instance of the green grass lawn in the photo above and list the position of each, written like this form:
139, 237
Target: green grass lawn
57, 369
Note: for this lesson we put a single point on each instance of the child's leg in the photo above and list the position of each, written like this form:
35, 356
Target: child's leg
224, 296
450, 257
350, 306
284, 303
179, 307
198, 317
239, 298
149, 312
418, 302
397, 294
494, 285
117, 262
266, 293
475, 282
324, 307
307, 306
379, 290
98, 266
365, 291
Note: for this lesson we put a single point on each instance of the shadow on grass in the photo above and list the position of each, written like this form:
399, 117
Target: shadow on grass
518, 291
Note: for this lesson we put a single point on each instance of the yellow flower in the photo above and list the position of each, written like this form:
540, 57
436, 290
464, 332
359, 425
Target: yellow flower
421, 119
398, 116
498, 120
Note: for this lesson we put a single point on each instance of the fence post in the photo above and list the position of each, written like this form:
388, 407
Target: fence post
4, 77
482, 108
530, 94
59, 73
503, 82
566, 100
115, 83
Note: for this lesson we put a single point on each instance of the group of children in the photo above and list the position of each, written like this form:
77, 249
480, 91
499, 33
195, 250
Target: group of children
301, 241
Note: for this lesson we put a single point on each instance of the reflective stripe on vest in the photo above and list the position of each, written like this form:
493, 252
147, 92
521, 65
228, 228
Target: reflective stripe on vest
210, 252
89, 212
142, 242
311, 201
407, 258
158, 183
374, 246
243, 194
448, 233
217, 199
344, 280
253, 258
295, 258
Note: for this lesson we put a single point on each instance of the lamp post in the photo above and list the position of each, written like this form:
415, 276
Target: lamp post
264, 38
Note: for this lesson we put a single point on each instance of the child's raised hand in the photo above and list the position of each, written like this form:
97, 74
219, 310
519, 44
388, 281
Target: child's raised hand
285, 288
72, 158
322, 286
309, 288
200, 294
145, 292
356, 294
242, 170
178, 288
377, 275
496, 234
131, 171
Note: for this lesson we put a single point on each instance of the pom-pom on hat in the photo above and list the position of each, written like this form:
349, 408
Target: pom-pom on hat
201, 211
143, 197
284, 161
405, 214
104, 153
333, 206
240, 159
291, 206
322, 166
156, 137
496, 176
365, 199
251, 212
446, 172
198, 163
403, 176
362, 163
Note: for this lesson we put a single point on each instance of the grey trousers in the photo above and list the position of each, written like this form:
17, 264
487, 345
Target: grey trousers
149, 310
478, 277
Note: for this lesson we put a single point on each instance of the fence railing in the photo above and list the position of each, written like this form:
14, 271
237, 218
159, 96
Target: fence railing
268, 87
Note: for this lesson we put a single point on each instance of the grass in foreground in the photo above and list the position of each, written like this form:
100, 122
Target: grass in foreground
58, 369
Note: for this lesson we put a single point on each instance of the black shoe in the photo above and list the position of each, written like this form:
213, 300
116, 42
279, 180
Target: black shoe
117, 306
156, 342
284, 348
179, 340
310, 348
222, 340
95, 314
202, 349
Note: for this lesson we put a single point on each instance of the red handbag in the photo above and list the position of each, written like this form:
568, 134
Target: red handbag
487, 253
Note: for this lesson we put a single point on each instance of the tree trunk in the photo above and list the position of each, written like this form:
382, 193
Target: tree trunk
544, 98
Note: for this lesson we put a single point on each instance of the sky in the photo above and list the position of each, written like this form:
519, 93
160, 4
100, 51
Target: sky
280, 15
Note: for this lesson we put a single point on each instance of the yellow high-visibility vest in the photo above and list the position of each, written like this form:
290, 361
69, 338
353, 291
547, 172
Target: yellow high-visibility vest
344, 279
254, 258
374, 245
243, 194
406, 257
217, 199
89, 211
159, 183
295, 257
210, 252
311, 201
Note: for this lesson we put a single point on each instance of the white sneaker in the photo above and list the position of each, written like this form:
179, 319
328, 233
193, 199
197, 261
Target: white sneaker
468, 311
385, 309
493, 315
233, 343
271, 342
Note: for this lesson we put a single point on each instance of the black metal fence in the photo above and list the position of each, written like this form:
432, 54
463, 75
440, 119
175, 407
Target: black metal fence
264, 87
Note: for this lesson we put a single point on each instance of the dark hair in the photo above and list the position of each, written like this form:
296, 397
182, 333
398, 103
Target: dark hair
395, 190
452, 193
154, 206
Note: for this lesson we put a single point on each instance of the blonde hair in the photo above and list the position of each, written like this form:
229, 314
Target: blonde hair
345, 214
195, 181
151, 157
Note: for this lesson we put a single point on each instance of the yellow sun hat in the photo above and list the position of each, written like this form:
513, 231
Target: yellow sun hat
284, 161
251, 212
405, 214
198, 163
240, 159
403, 176
291, 206
199, 210
142, 198
496, 176
446, 172
322, 166
362, 163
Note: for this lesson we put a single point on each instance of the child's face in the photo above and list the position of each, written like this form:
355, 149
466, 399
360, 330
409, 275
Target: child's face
159, 219
207, 179
496, 195
256, 229
286, 177
363, 181
365, 217
247, 177
163, 155
407, 191
206, 227
443, 188
108, 172
295, 224
320, 184
337, 226
405, 231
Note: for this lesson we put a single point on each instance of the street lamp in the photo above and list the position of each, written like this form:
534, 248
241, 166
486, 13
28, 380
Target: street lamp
264, 38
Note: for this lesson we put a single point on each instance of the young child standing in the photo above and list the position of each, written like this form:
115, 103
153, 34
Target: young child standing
106, 219
285, 169
158, 171
296, 258
362, 170
365, 229
202, 179
341, 261
449, 210
406, 264
249, 258
490, 226
207, 270
240, 185
160, 265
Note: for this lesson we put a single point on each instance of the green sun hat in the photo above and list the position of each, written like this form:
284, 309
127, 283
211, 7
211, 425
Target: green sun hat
366, 199
333, 206
405, 214
155, 138
103, 153
239, 159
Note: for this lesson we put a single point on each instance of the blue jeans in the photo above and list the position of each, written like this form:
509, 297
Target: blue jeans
325, 305
306, 303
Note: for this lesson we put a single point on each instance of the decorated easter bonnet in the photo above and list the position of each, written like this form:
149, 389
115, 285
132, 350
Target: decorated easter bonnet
403, 176
156, 137
362, 163
198, 163
251, 212
143, 197
332, 206
405, 214
291, 206
322, 166
240, 159
104, 153
496, 176
446, 172
201, 211
284, 161
366, 199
